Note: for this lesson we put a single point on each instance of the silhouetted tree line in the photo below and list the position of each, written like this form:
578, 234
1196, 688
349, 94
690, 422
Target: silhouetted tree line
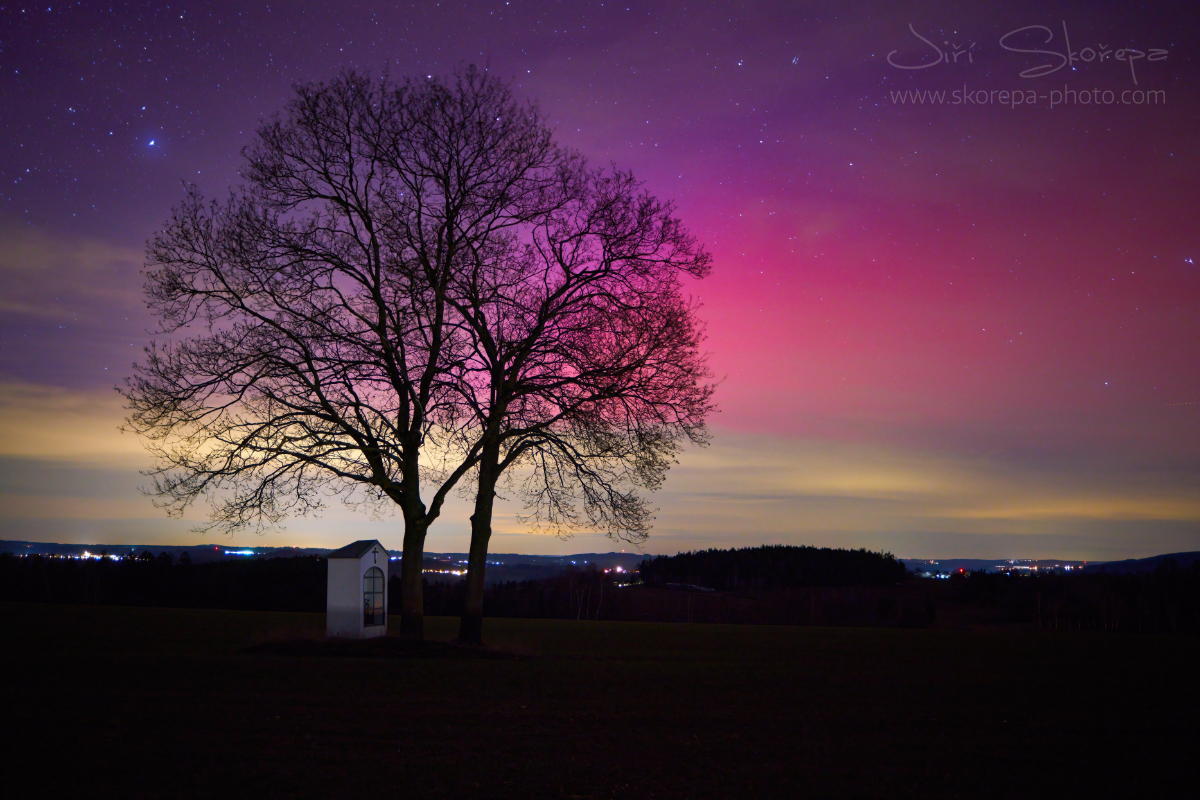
575, 594
592, 594
874, 590
271, 584
1165, 600
274, 584
259, 584
754, 569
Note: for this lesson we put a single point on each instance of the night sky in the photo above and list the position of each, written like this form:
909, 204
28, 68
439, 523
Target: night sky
955, 330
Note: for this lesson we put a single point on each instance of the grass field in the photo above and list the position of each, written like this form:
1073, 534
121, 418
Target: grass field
103, 701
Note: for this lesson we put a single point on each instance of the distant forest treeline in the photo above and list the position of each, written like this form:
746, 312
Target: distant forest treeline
257, 584
1166, 600
823, 588
774, 567
265, 584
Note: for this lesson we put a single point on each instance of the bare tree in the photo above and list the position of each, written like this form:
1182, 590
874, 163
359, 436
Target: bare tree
586, 375
314, 354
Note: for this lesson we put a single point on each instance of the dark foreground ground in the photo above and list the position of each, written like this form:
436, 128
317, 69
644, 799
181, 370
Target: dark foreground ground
133, 702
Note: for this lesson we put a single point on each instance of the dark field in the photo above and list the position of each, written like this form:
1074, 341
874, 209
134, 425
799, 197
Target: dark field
104, 701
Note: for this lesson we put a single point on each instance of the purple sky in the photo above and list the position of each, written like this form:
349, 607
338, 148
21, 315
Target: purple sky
943, 329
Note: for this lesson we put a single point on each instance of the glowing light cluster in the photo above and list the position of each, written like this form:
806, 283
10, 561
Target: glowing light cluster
87, 555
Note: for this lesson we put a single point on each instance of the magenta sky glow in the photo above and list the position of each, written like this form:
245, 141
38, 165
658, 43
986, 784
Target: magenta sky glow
944, 330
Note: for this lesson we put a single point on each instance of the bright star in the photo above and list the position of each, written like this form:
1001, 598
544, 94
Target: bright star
151, 141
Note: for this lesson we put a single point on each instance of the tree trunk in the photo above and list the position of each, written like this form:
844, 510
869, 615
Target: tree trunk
412, 595
470, 629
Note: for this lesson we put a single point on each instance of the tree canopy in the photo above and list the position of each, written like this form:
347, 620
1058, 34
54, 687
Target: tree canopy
414, 284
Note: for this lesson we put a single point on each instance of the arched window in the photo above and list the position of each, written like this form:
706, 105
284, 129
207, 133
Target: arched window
373, 610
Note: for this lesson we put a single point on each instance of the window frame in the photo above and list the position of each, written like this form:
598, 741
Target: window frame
378, 609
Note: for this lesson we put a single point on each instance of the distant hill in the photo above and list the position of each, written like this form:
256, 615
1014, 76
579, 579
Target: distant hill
1132, 565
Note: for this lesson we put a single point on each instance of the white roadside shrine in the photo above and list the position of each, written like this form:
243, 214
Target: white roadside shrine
356, 601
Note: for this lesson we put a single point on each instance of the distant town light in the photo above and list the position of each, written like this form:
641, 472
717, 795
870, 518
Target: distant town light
86, 555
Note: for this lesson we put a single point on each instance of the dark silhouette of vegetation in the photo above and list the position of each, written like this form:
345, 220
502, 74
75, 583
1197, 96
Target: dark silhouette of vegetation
592, 595
585, 375
751, 569
830, 593
317, 344
259, 584
1166, 600
417, 287
575, 594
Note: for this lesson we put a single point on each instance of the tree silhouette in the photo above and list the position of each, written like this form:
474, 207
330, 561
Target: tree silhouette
314, 351
586, 375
